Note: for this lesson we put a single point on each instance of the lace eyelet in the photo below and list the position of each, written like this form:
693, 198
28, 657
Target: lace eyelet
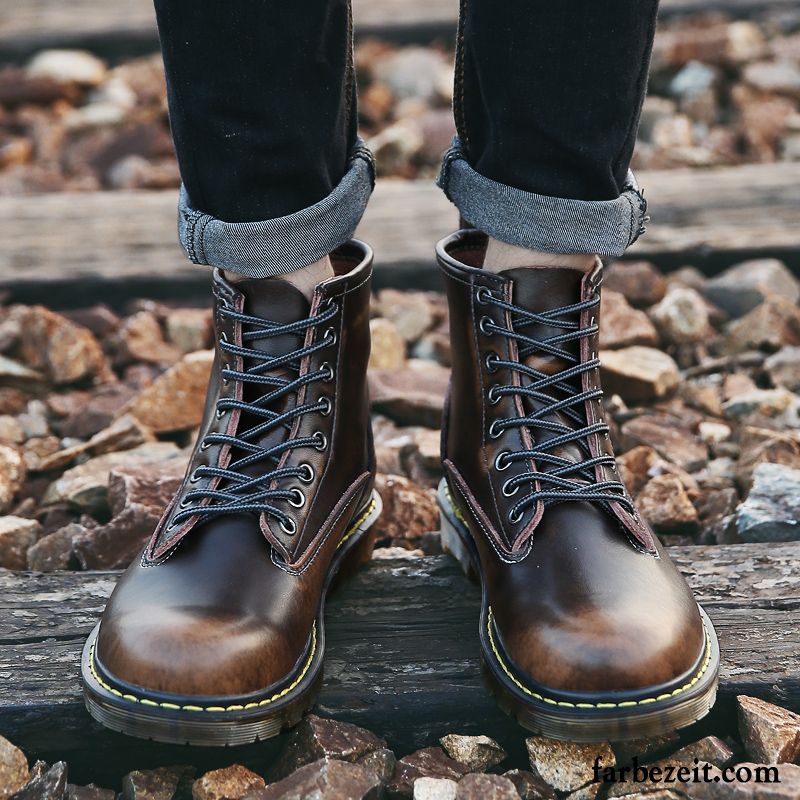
514, 518
328, 370
502, 456
205, 445
494, 433
288, 526
506, 492
194, 478
323, 441
327, 406
484, 321
494, 398
300, 501
482, 295
220, 413
308, 473
491, 361
185, 502
223, 337
331, 303
332, 333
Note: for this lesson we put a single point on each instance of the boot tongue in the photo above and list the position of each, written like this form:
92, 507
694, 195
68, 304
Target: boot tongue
539, 290
273, 300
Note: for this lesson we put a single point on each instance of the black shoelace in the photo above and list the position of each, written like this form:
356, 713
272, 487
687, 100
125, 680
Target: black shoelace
243, 492
568, 479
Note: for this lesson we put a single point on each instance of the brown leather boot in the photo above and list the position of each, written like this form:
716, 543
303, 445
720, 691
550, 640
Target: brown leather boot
588, 632
215, 635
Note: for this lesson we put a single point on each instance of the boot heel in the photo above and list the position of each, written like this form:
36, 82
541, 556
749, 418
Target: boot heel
454, 544
358, 556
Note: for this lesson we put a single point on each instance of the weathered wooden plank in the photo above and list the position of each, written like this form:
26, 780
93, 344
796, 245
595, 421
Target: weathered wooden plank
116, 243
382, 669
120, 23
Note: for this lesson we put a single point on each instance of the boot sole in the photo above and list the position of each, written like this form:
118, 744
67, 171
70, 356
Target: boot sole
579, 717
221, 721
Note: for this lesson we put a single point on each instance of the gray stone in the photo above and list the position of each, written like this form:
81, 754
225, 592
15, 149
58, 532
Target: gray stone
45, 784
68, 66
89, 792
770, 734
783, 784
54, 551
434, 789
381, 763
771, 512
779, 405
479, 753
781, 77
567, 766
744, 286
17, 376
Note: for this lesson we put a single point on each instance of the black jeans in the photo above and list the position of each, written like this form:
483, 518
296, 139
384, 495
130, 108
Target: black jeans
263, 110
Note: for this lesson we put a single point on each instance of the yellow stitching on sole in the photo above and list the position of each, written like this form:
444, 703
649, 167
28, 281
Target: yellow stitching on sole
237, 707
625, 704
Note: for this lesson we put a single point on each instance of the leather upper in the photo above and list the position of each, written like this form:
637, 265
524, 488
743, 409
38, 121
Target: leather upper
225, 605
583, 596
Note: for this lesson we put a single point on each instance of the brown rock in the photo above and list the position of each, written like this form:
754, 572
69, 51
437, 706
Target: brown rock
567, 766
665, 505
163, 783
770, 734
409, 511
669, 438
771, 325
17, 534
189, 329
682, 317
318, 738
87, 414
140, 338
137, 498
388, 346
14, 375
13, 768
230, 783
530, 786
478, 753
64, 351
99, 319
639, 373
11, 431
54, 551
430, 762
326, 779
45, 784
644, 748
17, 88
753, 782
710, 749
783, 368
412, 313
411, 396
486, 787
175, 400
381, 763
765, 446
85, 487
39, 450
12, 475
623, 325
639, 281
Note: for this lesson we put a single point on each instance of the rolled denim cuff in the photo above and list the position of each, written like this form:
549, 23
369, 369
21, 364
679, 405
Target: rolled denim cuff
538, 222
276, 246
